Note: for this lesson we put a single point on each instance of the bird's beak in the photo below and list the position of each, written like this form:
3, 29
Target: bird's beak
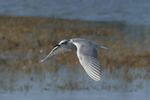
57, 45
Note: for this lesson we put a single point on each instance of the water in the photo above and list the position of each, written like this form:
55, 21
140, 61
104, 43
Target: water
129, 11
75, 95
130, 16
77, 86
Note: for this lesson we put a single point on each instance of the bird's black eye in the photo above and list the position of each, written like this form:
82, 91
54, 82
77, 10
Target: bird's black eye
64, 43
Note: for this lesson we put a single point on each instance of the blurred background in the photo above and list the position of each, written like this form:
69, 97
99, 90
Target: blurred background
30, 28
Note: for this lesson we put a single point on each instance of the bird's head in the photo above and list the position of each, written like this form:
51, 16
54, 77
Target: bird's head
63, 42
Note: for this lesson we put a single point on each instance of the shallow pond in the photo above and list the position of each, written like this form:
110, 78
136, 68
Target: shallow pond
126, 71
74, 84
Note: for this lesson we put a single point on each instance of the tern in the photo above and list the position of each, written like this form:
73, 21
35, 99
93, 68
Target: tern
86, 52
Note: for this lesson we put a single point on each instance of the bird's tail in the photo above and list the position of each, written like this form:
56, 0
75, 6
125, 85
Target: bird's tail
97, 45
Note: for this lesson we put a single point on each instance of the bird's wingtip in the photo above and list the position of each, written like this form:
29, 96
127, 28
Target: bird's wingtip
41, 61
99, 79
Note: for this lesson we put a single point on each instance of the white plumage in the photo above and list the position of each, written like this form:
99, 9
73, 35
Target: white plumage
86, 53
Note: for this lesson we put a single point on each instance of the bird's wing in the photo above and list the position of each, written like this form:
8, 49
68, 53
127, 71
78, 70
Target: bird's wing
58, 49
88, 58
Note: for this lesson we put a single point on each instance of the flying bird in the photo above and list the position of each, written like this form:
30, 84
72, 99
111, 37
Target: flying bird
86, 52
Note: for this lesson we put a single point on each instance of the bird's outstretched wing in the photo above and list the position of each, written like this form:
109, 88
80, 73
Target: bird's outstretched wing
58, 49
88, 58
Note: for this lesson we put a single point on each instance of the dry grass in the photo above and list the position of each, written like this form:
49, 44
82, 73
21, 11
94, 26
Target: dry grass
22, 39
26, 40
